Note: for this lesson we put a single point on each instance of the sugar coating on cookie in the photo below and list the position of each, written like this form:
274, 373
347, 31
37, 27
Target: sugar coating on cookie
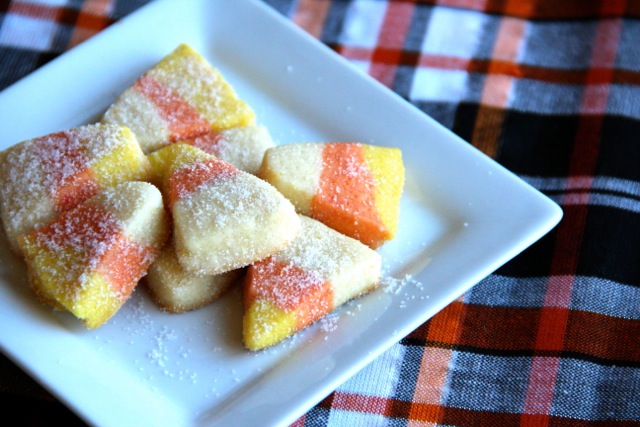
90, 258
223, 218
352, 187
168, 160
243, 147
182, 97
319, 271
44, 176
175, 290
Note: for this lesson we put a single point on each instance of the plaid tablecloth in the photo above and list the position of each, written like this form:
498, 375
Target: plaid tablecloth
551, 90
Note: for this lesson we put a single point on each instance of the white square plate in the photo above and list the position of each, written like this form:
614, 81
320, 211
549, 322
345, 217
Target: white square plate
462, 217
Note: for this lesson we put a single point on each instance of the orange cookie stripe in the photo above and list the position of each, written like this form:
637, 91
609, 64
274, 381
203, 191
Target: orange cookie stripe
124, 264
83, 228
345, 199
88, 230
67, 168
181, 118
76, 189
290, 288
189, 178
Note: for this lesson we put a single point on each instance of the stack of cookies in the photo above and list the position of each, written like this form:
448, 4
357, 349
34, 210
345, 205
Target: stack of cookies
179, 185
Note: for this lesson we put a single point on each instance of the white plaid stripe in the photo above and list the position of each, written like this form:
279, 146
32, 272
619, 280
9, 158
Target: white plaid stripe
431, 84
577, 183
362, 23
588, 295
592, 384
52, 3
503, 384
502, 291
339, 417
534, 96
27, 33
453, 32
591, 294
558, 45
624, 100
380, 377
597, 200
572, 193
628, 54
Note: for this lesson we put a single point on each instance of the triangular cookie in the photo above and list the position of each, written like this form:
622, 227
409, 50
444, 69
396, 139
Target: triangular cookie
223, 218
41, 177
319, 271
176, 290
90, 258
181, 98
353, 188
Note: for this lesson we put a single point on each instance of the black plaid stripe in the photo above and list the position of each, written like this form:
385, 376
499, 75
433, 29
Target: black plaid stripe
334, 23
19, 63
609, 247
285, 7
122, 8
619, 155
537, 145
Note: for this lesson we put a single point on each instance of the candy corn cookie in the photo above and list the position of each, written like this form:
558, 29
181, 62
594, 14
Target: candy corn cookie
181, 98
175, 290
89, 259
319, 271
45, 176
223, 218
353, 188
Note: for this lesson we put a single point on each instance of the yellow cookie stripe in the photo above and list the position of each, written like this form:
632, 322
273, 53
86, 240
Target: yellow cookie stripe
94, 302
187, 73
126, 162
388, 170
169, 159
265, 325
46, 270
